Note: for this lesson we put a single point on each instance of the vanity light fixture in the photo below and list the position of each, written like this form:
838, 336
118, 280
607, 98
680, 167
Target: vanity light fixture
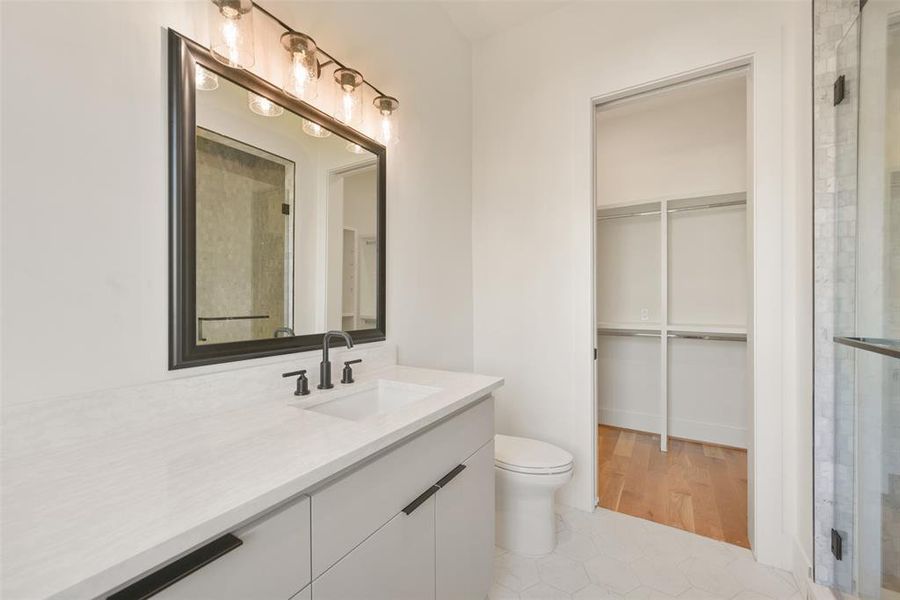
387, 131
263, 106
231, 43
231, 32
314, 129
348, 99
204, 80
303, 73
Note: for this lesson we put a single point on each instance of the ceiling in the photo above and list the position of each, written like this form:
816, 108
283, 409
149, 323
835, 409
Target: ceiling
479, 19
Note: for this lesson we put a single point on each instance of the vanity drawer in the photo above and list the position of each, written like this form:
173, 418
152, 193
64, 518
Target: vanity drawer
272, 562
349, 510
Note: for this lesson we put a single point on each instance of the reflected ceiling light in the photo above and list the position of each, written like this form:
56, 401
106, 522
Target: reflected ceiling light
355, 148
303, 72
348, 99
387, 131
263, 106
231, 32
205, 80
314, 129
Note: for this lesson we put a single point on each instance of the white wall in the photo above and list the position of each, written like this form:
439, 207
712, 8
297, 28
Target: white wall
533, 213
84, 215
628, 271
687, 141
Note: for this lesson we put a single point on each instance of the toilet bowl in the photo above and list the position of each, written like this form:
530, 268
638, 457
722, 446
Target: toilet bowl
528, 473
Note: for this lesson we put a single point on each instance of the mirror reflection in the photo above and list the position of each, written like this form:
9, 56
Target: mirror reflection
287, 218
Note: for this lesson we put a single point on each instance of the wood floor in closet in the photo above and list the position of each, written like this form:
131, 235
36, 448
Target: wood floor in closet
694, 486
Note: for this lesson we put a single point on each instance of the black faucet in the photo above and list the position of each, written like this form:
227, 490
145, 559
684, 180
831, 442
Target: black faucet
325, 365
347, 373
302, 382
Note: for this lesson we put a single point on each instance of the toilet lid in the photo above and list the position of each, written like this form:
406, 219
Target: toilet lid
524, 455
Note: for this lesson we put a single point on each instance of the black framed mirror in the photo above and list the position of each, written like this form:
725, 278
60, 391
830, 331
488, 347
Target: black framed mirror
276, 218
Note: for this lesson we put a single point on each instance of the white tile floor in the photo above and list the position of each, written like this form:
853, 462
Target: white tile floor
605, 555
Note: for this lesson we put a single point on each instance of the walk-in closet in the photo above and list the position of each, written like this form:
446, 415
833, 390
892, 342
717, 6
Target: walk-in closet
673, 304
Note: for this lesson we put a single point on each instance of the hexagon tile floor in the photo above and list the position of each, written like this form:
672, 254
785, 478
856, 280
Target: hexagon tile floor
606, 555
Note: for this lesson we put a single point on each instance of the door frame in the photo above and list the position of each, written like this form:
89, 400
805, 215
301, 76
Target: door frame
739, 64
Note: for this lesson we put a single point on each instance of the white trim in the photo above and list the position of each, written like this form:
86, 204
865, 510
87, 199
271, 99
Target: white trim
594, 498
712, 433
743, 65
664, 330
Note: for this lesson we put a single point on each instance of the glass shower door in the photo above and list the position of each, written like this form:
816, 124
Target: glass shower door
869, 347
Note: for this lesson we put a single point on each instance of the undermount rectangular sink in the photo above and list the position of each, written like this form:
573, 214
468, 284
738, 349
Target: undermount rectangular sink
373, 398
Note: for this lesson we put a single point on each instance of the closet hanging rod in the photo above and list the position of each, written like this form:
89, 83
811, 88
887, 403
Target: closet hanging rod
719, 337
628, 332
706, 206
626, 215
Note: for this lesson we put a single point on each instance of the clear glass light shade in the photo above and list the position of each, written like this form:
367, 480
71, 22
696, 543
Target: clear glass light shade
314, 129
263, 106
205, 80
231, 32
386, 129
348, 97
355, 148
302, 79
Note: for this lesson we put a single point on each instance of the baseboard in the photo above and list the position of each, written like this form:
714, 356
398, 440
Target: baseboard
801, 569
700, 431
814, 591
713, 433
629, 419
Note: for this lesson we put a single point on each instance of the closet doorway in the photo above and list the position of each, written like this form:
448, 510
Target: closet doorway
673, 303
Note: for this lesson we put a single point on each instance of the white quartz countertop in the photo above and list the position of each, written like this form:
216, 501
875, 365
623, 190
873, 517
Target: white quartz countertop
126, 487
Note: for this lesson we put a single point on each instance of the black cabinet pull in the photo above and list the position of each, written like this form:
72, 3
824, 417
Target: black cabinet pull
449, 476
409, 508
159, 580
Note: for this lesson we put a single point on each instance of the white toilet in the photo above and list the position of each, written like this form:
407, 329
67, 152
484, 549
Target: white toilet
528, 473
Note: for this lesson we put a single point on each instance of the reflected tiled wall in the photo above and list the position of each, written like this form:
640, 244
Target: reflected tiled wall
240, 242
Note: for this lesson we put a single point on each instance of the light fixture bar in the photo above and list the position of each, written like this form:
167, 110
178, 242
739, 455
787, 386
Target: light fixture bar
319, 49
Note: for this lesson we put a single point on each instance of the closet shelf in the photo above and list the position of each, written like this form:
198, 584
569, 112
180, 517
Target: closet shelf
641, 329
717, 329
643, 209
649, 208
638, 325
705, 202
707, 335
690, 332
629, 332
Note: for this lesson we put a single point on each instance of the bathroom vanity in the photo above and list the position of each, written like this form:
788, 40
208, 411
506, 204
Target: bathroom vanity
226, 484
270, 498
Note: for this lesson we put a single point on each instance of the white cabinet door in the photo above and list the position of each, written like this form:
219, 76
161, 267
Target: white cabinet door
271, 564
348, 510
394, 563
464, 530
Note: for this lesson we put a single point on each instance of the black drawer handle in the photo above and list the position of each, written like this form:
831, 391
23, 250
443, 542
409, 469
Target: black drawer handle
409, 508
159, 580
449, 476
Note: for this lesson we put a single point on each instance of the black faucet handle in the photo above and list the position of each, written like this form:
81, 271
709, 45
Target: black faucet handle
347, 373
302, 382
